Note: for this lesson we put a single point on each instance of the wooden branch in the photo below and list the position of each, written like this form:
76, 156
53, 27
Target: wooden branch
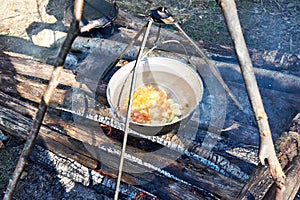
72, 34
266, 150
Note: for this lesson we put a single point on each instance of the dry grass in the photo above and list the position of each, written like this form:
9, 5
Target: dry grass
267, 25
202, 19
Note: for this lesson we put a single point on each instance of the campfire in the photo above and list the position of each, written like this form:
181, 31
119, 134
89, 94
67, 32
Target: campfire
213, 154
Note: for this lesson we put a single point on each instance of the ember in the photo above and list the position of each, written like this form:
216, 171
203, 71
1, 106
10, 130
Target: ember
106, 128
141, 195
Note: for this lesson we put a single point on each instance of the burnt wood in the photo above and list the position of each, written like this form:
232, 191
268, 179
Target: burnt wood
76, 171
266, 78
261, 185
26, 79
75, 149
72, 147
63, 99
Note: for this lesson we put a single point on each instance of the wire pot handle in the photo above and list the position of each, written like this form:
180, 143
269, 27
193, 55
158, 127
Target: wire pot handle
166, 42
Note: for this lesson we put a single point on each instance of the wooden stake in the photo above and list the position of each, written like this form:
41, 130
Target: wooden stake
266, 148
74, 31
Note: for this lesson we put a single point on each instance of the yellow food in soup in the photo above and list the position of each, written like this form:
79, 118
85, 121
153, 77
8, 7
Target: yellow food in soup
151, 105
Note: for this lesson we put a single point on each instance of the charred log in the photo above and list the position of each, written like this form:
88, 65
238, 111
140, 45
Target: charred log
63, 137
261, 185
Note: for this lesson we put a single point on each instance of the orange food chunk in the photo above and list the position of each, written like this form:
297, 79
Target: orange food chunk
151, 104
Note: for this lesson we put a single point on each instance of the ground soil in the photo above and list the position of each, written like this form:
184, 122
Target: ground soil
272, 25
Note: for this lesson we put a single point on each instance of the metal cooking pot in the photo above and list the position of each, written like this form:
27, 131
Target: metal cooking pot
183, 83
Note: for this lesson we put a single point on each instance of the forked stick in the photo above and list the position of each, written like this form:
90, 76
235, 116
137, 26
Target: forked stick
74, 31
266, 148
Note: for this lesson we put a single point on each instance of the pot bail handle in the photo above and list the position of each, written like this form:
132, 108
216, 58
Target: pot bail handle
165, 42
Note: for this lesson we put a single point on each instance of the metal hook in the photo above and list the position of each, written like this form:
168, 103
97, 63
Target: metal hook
162, 15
